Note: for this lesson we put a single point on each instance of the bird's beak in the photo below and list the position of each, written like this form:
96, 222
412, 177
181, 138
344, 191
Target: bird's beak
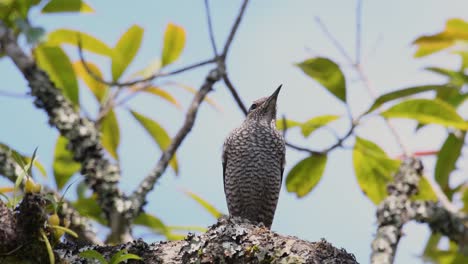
271, 101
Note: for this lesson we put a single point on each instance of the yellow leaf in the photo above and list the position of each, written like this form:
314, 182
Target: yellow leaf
174, 42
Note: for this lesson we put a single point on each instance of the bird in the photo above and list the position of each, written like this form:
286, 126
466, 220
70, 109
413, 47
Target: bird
253, 163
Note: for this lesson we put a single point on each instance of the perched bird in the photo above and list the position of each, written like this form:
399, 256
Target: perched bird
253, 163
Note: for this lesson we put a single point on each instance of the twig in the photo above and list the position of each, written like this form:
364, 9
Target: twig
373, 93
334, 41
210, 27
146, 79
14, 95
358, 31
234, 93
234, 28
138, 197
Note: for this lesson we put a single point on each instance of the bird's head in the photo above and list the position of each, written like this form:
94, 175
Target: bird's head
264, 109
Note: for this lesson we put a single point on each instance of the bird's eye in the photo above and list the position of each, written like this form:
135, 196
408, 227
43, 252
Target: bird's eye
252, 107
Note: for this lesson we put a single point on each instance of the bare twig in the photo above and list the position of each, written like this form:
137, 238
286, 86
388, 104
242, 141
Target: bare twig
14, 95
138, 197
234, 28
334, 41
358, 31
146, 79
234, 93
210, 27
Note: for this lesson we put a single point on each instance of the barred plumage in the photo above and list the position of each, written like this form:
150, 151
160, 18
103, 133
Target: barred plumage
253, 164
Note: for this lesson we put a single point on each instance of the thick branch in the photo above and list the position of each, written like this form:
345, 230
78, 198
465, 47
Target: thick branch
439, 219
395, 211
81, 225
99, 173
228, 241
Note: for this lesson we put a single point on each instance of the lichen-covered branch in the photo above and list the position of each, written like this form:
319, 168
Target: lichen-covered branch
81, 225
228, 241
439, 219
395, 211
99, 173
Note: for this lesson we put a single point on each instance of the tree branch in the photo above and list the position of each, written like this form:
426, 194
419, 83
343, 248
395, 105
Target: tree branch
395, 211
228, 241
439, 219
234, 93
83, 137
234, 28
137, 81
210, 27
138, 197
81, 225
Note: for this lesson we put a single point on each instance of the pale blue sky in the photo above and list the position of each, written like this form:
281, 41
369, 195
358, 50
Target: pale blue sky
273, 36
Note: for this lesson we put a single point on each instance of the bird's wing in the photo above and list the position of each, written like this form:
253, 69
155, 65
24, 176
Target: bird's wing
224, 160
283, 163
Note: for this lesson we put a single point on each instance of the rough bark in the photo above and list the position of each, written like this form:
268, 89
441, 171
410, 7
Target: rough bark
230, 240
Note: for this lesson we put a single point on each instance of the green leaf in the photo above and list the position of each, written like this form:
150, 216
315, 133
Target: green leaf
110, 138
455, 29
373, 169
121, 256
40, 167
428, 45
447, 159
327, 73
152, 222
93, 254
64, 165
49, 250
98, 89
427, 112
89, 207
56, 63
403, 93
208, 207
425, 192
158, 134
66, 230
289, 124
72, 37
154, 90
306, 174
126, 49
58, 6
315, 123
457, 78
174, 42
